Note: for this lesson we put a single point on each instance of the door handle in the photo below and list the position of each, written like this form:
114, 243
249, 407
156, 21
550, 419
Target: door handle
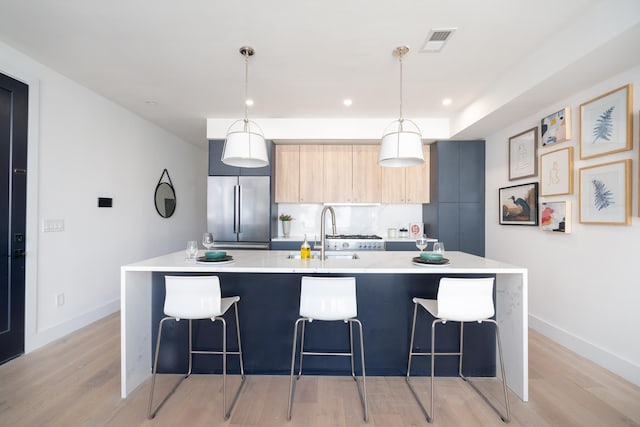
18, 253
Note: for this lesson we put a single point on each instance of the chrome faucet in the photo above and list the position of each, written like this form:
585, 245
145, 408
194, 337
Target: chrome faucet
323, 236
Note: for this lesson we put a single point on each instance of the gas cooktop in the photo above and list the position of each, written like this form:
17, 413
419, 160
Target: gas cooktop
362, 242
354, 236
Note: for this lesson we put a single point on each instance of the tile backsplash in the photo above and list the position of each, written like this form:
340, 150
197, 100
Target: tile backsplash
349, 219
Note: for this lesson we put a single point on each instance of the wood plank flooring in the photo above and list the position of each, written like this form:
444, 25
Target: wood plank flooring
76, 382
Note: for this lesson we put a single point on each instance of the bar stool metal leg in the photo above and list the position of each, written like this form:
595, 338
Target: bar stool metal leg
362, 389
505, 417
227, 411
431, 414
152, 412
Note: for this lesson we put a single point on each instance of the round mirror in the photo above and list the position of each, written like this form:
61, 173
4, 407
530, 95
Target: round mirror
165, 199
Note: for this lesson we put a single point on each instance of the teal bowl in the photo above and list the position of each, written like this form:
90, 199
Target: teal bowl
215, 254
430, 256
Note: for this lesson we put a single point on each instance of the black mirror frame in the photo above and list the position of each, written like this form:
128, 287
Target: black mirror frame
166, 211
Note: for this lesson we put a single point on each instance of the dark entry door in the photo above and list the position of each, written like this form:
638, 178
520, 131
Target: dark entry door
13, 197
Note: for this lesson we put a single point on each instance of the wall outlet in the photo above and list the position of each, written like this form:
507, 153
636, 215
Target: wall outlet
52, 225
60, 300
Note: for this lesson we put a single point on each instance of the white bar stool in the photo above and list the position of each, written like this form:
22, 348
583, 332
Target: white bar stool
458, 300
328, 299
193, 298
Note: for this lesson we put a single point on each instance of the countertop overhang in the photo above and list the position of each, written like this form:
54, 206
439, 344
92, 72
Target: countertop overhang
369, 262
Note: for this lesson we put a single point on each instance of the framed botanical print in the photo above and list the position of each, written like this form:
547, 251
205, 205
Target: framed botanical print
606, 123
556, 127
523, 151
556, 172
605, 193
519, 204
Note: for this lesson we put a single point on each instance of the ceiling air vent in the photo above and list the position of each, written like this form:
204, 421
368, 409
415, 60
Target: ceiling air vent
436, 39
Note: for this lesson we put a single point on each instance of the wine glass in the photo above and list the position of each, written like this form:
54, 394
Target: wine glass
438, 248
207, 240
421, 242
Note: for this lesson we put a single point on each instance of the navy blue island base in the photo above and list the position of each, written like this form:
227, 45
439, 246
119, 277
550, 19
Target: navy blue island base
268, 309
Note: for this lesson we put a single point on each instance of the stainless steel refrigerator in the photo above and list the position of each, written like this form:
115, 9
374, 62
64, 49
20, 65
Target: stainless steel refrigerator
239, 211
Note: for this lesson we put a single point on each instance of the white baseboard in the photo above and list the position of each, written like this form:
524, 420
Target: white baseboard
598, 355
47, 336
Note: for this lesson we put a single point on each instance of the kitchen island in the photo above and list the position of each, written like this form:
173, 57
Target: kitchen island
268, 284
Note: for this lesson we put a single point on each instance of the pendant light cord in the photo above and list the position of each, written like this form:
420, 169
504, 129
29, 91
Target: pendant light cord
401, 118
246, 89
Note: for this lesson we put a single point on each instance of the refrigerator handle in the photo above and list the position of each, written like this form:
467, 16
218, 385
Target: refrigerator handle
237, 209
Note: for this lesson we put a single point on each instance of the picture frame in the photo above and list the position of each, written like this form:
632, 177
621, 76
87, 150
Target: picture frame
606, 124
556, 216
523, 151
605, 193
518, 204
556, 172
556, 127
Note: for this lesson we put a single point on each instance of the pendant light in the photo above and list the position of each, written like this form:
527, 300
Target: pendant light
401, 144
244, 145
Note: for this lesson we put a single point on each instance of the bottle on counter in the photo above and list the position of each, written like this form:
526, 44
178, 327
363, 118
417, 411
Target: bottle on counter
305, 249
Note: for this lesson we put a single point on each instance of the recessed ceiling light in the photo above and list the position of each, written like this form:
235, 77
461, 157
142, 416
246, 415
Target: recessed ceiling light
249, 102
446, 101
151, 102
347, 102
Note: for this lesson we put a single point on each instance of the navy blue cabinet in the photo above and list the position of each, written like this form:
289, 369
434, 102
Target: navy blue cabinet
217, 168
455, 215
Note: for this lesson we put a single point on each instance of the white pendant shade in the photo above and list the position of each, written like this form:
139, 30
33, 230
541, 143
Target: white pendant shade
245, 147
401, 146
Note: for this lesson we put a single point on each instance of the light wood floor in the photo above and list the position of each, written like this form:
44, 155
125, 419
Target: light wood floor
76, 382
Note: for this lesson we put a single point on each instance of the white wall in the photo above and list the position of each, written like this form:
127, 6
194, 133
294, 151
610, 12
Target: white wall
81, 147
584, 287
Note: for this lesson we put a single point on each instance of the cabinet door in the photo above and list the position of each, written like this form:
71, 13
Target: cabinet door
417, 180
287, 174
338, 173
367, 174
311, 173
393, 185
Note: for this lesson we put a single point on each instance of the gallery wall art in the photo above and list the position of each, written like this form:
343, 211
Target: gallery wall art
523, 152
605, 193
556, 172
606, 123
519, 204
556, 127
556, 216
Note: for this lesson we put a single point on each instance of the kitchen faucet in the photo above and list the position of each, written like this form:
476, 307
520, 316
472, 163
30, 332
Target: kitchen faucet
323, 236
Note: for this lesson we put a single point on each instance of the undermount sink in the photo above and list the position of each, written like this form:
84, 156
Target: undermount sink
328, 255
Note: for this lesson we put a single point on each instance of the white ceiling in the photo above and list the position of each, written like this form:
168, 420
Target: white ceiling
177, 63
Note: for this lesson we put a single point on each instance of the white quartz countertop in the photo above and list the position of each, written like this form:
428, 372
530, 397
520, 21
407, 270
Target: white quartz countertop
377, 262
311, 238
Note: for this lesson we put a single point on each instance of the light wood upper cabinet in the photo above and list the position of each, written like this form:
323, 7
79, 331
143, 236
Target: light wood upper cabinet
338, 173
407, 185
287, 174
311, 174
367, 175
393, 185
345, 174
417, 180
